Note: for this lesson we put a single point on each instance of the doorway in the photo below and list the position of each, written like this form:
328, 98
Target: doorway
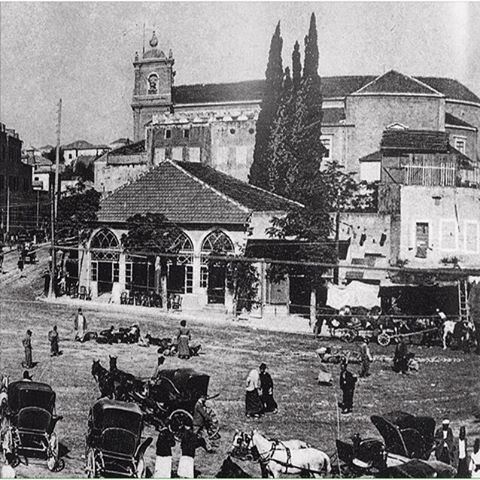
105, 277
216, 284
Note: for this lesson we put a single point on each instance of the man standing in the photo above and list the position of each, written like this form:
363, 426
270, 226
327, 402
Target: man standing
163, 460
253, 402
366, 357
444, 443
190, 442
27, 345
347, 385
53, 339
80, 325
401, 357
201, 420
266, 386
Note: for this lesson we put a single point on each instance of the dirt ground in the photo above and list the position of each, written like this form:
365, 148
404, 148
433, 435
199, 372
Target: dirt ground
446, 385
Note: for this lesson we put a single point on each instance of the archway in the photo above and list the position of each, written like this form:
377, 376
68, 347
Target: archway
213, 274
180, 271
104, 261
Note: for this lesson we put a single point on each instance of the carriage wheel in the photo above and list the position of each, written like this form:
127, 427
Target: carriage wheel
383, 339
348, 335
90, 466
177, 421
52, 452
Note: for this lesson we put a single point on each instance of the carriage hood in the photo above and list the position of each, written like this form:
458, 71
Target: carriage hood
107, 413
187, 381
405, 434
24, 394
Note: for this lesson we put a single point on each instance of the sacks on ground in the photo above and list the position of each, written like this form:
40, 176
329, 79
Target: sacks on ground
329, 355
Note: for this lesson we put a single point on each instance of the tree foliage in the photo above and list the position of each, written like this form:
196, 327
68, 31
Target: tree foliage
77, 213
152, 233
259, 171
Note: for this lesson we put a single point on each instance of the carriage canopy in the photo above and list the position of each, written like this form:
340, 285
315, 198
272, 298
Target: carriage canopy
187, 381
404, 434
24, 394
108, 413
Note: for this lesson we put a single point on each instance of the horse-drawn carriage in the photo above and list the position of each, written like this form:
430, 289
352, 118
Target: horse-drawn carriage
405, 437
30, 423
168, 400
114, 445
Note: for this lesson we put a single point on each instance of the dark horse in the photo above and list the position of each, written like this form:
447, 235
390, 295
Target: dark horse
127, 386
104, 379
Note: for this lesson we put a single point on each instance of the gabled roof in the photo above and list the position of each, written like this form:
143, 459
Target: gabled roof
395, 82
415, 141
332, 87
121, 140
372, 157
457, 122
189, 193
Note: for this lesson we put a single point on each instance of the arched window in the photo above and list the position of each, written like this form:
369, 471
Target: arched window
217, 241
105, 239
184, 246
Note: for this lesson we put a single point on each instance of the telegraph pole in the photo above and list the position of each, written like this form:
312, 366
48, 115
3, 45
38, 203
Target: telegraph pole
53, 207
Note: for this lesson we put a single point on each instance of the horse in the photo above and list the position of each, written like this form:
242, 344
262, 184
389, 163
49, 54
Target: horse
242, 441
125, 383
276, 458
104, 379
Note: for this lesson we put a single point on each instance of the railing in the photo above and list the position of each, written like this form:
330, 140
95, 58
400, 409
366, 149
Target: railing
444, 175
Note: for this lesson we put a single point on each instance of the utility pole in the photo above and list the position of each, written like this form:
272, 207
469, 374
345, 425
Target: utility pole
53, 207
8, 207
337, 247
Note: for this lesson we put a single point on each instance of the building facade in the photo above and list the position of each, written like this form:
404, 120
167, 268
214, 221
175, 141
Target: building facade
17, 202
79, 148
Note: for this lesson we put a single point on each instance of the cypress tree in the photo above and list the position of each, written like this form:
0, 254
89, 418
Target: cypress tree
296, 66
259, 170
311, 50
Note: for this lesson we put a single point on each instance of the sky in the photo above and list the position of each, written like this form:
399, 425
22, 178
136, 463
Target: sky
82, 52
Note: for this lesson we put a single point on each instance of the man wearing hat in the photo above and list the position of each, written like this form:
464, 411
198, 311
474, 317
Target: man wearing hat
27, 345
444, 445
347, 385
201, 421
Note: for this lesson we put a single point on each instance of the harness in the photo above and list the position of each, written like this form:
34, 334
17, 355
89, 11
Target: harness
265, 457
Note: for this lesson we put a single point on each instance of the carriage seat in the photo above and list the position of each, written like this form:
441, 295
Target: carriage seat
118, 441
35, 419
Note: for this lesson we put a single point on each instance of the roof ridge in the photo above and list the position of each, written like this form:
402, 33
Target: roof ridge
413, 79
205, 184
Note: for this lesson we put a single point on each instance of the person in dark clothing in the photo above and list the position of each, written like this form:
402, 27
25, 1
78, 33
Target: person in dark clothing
53, 339
266, 386
27, 345
366, 357
462, 468
347, 385
20, 264
444, 443
401, 357
163, 460
190, 442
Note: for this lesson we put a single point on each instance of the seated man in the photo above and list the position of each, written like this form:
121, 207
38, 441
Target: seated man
201, 421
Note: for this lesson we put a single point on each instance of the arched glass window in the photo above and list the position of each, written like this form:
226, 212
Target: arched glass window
185, 249
105, 239
217, 241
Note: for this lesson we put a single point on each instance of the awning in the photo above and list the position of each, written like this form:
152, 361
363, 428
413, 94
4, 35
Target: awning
355, 294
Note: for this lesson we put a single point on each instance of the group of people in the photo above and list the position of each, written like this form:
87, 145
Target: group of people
445, 451
53, 340
259, 393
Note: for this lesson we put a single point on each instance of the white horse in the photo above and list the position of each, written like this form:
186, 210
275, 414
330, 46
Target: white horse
241, 444
277, 459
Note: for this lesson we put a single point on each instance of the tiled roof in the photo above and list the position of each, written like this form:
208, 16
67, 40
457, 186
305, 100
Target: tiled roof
130, 149
81, 145
332, 87
415, 141
333, 115
121, 140
455, 121
395, 82
452, 89
188, 193
372, 157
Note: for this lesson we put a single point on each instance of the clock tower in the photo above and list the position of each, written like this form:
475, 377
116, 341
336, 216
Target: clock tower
152, 92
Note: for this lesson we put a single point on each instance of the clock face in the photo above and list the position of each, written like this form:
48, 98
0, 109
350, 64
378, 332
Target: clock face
153, 84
